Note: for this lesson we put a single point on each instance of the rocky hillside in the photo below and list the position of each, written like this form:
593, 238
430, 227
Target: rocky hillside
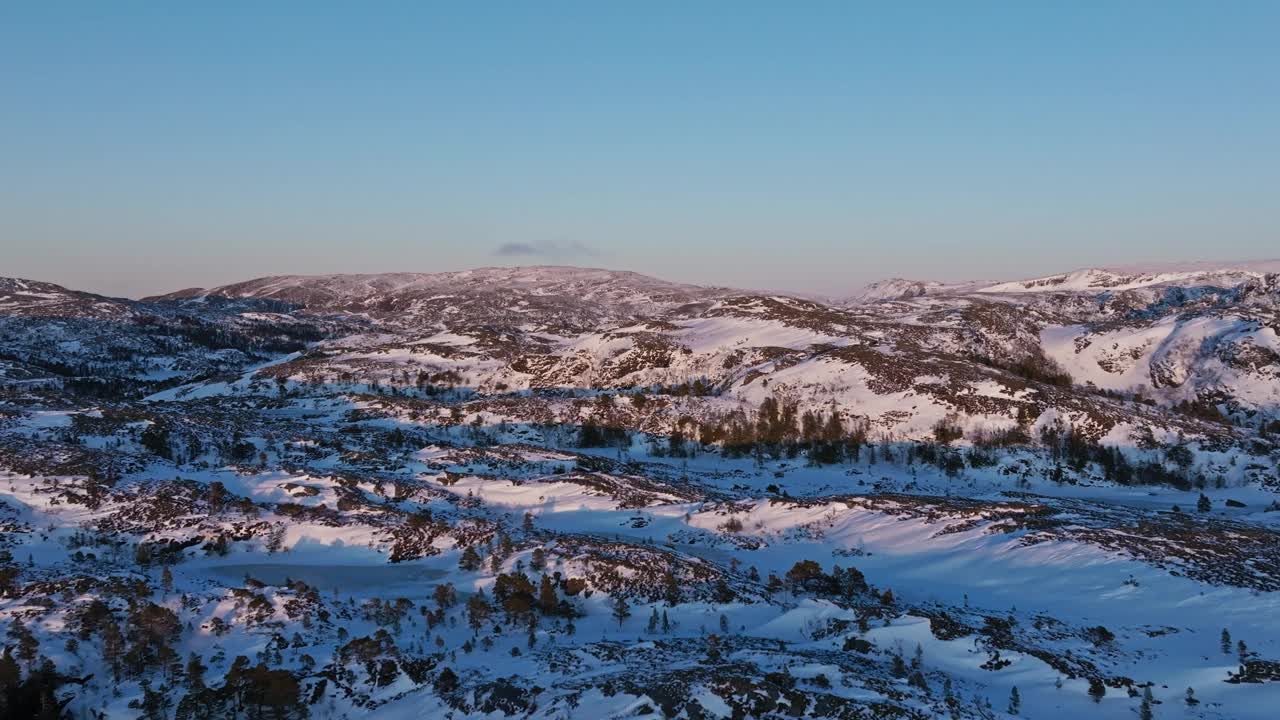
556, 492
1160, 356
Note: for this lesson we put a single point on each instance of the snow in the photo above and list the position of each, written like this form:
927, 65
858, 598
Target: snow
330, 500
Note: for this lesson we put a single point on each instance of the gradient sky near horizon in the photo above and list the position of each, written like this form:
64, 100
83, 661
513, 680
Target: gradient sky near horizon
146, 147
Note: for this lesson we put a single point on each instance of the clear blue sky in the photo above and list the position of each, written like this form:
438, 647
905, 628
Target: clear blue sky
151, 146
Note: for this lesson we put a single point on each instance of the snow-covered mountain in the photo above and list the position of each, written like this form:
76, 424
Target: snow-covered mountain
40, 299
1095, 280
1086, 281
903, 289
558, 492
579, 297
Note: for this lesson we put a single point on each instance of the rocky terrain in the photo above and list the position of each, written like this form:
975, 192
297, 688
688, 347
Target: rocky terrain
556, 493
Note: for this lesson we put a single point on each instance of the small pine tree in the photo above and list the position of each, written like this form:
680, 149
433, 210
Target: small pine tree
470, 560
1203, 505
112, 645
166, 580
916, 679
899, 668
547, 598
195, 673
653, 621
1226, 642
621, 610
1015, 701
478, 610
1097, 690
1191, 697
724, 624
724, 594
671, 589
1144, 710
10, 673
28, 646
713, 648
446, 682
154, 703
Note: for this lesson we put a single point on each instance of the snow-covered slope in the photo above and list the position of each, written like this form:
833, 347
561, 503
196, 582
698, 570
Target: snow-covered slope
902, 289
555, 492
574, 297
40, 299
1094, 280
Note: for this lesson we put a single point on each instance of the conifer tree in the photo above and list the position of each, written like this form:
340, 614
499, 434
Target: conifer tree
195, 673
28, 646
10, 673
671, 589
1097, 690
547, 598
478, 610
470, 560
899, 667
621, 610
112, 645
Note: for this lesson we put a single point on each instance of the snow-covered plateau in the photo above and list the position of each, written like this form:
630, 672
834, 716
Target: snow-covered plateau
555, 492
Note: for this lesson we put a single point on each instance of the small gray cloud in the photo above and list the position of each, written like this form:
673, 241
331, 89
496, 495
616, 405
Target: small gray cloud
515, 249
553, 249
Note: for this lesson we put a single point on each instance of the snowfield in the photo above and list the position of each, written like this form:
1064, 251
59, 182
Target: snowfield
562, 493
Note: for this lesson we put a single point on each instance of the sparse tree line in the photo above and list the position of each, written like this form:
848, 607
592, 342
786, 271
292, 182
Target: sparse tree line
776, 429
1035, 366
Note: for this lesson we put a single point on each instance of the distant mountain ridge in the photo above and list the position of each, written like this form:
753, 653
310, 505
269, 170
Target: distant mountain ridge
345, 288
369, 291
1206, 336
1086, 280
575, 298
1101, 279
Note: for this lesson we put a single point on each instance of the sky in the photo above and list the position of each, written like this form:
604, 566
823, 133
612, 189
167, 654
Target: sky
146, 146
